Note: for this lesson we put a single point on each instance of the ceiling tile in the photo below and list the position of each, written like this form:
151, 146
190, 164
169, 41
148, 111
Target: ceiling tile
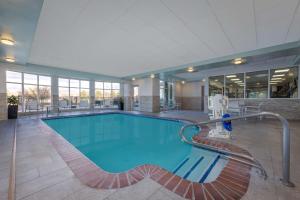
273, 18
294, 30
198, 17
238, 22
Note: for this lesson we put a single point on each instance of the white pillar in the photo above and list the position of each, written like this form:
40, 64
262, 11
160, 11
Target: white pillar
92, 94
54, 91
3, 101
128, 96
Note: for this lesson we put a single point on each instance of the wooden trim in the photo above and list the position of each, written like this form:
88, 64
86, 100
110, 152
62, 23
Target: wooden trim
12, 177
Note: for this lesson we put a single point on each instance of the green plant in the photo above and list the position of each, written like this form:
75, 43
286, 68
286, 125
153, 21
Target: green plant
12, 100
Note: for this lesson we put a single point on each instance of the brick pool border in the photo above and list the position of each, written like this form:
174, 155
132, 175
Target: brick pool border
232, 183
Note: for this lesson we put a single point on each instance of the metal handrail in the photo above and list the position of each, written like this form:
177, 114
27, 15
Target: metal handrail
285, 142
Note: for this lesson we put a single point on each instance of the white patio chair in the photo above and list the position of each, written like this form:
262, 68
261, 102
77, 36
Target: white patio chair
107, 103
32, 105
63, 104
236, 107
84, 104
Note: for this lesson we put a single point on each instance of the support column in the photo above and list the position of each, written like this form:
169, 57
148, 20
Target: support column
128, 96
149, 94
54, 92
3, 98
206, 94
92, 94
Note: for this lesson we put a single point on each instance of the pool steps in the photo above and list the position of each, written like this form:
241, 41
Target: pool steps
198, 168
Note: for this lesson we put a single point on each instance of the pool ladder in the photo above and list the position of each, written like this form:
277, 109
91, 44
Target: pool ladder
246, 159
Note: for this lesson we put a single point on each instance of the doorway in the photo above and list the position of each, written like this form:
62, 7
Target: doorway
136, 98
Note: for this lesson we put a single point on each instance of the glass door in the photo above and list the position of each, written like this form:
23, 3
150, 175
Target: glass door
136, 98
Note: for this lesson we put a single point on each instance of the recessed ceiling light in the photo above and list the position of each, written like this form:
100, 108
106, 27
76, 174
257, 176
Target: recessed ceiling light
276, 78
183, 82
7, 41
282, 70
190, 69
278, 75
152, 76
231, 76
10, 59
238, 61
216, 80
275, 81
133, 79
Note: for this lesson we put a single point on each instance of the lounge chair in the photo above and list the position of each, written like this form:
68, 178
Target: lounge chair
236, 107
107, 103
84, 104
32, 105
63, 104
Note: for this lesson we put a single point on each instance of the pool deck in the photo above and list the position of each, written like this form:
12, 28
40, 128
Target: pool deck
43, 174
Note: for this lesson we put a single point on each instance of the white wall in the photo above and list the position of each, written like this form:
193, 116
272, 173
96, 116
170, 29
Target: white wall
147, 86
178, 89
2, 80
192, 89
52, 71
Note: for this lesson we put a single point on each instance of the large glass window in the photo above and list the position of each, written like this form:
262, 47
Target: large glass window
257, 84
30, 90
45, 90
33, 91
216, 85
73, 93
166, 94
106, 94
284, 83
16, 90
235, 85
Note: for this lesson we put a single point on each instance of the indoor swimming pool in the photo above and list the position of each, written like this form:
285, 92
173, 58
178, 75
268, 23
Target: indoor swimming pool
118, 142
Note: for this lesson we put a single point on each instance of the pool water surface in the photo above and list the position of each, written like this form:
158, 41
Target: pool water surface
119, 142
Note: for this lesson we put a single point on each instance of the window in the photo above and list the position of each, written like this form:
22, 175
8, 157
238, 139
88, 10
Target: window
234, 85
166, 93
162, 91
106, 93
284, 83
45, 90
84, 91
73, 93
33, 91
30, 90
216, 85
257, 84
63, 92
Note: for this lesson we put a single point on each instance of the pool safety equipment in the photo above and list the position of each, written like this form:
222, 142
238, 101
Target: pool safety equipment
218, 104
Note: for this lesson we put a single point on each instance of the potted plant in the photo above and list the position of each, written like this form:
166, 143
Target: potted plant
121, 103
12, 110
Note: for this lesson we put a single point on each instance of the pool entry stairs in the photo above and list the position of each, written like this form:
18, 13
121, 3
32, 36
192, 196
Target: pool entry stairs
200, 166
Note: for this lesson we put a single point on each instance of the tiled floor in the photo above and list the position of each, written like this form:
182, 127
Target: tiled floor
42, 174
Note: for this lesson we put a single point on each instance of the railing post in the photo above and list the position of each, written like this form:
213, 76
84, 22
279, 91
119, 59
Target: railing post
285, 152
285, 141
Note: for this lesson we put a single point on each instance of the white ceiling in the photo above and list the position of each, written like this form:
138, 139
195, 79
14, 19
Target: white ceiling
126, 37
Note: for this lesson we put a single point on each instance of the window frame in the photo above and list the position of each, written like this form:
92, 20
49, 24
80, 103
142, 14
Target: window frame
268, 77
22, 83
69, 87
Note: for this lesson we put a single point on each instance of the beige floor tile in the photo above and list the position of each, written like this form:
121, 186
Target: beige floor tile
140, 191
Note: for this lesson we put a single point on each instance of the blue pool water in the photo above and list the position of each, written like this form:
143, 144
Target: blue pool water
119, 142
